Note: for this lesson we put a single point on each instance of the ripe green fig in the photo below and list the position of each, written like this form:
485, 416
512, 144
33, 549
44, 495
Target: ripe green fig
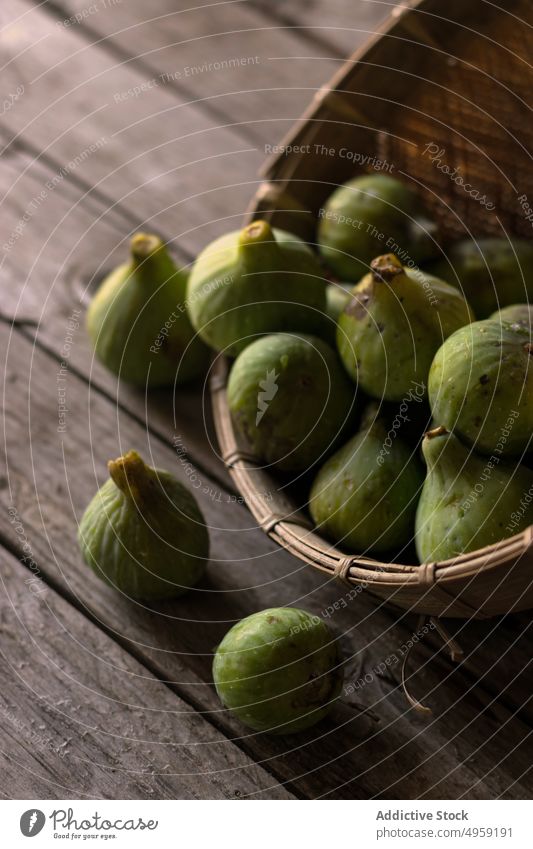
279, 670
137, 320
253, 282
516, 314
337, 296
365, 496
491, 273
143, 532
392, 326
368, 215
467, 501
289, 397
481, 386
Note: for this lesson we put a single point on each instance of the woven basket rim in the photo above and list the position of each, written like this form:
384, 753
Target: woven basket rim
296, 530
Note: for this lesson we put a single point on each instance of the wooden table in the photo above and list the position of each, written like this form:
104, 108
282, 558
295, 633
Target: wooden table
113, 122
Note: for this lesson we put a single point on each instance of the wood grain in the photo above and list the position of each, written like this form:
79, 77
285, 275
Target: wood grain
161, 157
235, 60
80, 717
342, 25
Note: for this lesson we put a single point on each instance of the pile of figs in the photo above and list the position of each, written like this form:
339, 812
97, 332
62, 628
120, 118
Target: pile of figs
345, 356
385, 374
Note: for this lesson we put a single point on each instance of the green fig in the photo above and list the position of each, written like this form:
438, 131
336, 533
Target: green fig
289, 397
253, 282
394, 323
337, 296
365, 496
138, 323
468, 502
516, 314
368, 215
481, 386
491, 273
279, 670
143, 532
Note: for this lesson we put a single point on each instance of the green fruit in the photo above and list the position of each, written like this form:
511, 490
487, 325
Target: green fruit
394, 323
143, 532
137, 321
364, 497
491, 273
481, 386
368, 215
467, 501
516, 314
253, 282
289, 397
337, 296
278, 670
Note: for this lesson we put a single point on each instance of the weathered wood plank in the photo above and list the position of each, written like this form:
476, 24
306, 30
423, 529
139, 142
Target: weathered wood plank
80, 717
343, 25
160, 153
234, 58
353, 754
164, 159
498, 653
50, 272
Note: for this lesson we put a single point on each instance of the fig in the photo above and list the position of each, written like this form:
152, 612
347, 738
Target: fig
367, 215
392, 326
289, 397
364, 497
254, 282
467, 501
516, 314
143, 532
279, 670
138, 323
481, 386
337, 296
491, 273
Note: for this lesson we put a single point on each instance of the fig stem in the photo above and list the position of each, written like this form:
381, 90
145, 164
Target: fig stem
385, 268
436, 431
257, 248
131, 475
144, 245
257, 231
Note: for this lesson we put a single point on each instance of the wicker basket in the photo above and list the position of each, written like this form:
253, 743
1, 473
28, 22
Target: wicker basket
452, 74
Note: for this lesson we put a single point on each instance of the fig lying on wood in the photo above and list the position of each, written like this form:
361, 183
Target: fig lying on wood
143, 532
278, 670
138, 323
